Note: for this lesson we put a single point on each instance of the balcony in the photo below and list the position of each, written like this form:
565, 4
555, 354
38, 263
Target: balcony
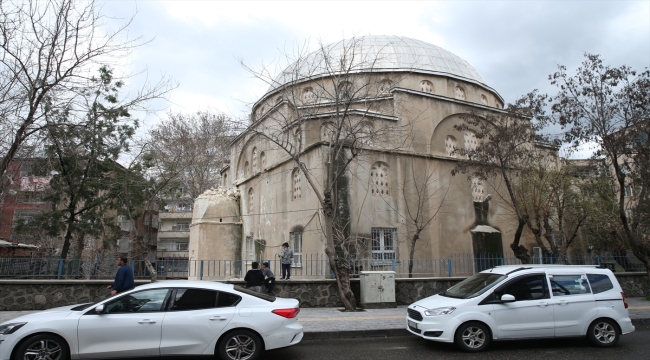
175, 215
173, 234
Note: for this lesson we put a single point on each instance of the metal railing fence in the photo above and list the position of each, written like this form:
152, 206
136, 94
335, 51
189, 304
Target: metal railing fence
310, 267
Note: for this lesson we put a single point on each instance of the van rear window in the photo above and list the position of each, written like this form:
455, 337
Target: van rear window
599, 283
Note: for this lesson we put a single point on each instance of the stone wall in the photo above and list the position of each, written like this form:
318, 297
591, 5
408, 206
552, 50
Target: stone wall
46, 294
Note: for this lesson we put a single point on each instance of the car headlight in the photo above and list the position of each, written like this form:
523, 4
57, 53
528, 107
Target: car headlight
7, 329
439, 311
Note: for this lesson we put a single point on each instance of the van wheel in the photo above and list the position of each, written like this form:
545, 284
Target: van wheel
472, 337
240, 345
603, 333
44, 346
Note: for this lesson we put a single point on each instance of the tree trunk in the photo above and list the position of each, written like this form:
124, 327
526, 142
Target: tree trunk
341, 272
415, 238
68, 235
520, 251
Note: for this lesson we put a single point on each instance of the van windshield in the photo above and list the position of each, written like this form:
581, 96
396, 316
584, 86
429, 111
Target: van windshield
473, 286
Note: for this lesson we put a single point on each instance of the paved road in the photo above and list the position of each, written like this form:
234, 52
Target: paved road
633, 346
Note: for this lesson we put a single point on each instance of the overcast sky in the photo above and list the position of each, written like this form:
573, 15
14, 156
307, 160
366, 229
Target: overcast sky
514, 45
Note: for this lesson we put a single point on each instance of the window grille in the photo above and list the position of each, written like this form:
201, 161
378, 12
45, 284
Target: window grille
380, 180
383, 246
251, 197
478, 190
297, 191
255, 168
181, 226
426, 86
450, 145
296, 246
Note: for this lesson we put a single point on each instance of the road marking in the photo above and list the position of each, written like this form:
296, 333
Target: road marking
355, 318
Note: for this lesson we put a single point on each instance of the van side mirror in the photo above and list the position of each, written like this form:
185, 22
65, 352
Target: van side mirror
507, 298
99, 309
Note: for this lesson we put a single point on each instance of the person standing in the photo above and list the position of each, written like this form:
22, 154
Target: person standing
270, 278
254, 277
286, 257
123, 279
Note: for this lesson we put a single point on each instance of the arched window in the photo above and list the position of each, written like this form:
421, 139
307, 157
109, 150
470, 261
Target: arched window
450, 146
478, 190
345, 90
255, 163
246, 169
308, 95
380, 179
328, 131
297, 138
365, 135
484, 100
263, 159
251, 202
426, 86
278, 100
459, 93
498, 106
225, 179
471, 141
261, 111
384, 87
296, 191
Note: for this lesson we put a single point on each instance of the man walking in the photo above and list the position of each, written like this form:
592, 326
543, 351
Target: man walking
254, 277
270, 278
123, 279
286, 257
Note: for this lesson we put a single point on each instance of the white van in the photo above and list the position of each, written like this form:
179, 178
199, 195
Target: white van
525, 302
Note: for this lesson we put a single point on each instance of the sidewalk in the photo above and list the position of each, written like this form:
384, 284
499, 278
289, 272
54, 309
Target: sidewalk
323, 323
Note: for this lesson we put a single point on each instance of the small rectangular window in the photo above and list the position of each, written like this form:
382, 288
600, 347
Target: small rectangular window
194, 299
563, 285
599, 283
227, 299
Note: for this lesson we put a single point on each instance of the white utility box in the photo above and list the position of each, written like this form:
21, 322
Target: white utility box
378, 289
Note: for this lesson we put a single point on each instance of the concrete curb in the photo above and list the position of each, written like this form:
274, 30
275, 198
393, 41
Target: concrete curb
350, 334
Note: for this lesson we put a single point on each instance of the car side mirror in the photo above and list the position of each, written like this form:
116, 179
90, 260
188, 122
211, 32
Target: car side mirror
507, 298
99, 309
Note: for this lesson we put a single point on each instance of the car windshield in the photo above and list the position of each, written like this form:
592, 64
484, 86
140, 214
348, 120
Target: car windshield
473, 286
83, 307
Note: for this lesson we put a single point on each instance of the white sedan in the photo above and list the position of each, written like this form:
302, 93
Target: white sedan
163, 318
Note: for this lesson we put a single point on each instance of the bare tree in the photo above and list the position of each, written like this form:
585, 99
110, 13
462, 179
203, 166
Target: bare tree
343, 101
508, 143
423, 199
49, 51
196, 146
610, 107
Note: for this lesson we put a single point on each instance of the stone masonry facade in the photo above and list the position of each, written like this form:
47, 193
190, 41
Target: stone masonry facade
47, 294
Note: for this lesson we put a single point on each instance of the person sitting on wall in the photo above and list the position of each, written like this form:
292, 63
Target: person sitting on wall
270, 278
254, 277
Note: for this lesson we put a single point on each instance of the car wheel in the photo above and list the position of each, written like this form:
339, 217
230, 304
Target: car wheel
473, 337
603, 333
240, 345
44, 346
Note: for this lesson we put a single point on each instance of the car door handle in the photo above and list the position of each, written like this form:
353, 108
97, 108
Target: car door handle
147, 321
562, 302
217, 318
542, 304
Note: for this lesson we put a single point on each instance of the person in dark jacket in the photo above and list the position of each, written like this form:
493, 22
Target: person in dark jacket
123, 279
254, 277
270, 278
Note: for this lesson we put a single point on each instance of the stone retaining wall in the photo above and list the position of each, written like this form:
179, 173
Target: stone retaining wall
46, 294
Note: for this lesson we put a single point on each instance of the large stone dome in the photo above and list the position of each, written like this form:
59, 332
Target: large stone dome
380, 53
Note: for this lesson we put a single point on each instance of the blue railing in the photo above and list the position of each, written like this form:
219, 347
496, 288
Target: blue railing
306, 267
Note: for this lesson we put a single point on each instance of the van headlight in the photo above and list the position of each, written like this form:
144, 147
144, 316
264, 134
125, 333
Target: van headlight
439, 311
7, 329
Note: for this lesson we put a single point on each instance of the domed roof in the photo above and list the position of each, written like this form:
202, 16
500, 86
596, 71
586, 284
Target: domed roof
379, 53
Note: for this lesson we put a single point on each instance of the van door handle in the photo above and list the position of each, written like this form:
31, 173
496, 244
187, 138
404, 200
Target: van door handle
217, 318
542, 304
146, 321
562, 302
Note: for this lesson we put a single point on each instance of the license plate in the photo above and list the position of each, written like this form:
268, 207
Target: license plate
412, 324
